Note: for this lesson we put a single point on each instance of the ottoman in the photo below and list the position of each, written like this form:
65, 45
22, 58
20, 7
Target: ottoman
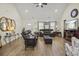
47, 39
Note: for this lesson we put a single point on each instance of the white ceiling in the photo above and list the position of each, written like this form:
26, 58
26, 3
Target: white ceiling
47, 12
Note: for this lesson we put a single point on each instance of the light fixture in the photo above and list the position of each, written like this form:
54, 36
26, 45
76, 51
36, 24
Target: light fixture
26, 11
56, 26
40, 4
56, 10
29, 24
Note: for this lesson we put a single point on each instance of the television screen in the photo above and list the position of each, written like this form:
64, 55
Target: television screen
71, 24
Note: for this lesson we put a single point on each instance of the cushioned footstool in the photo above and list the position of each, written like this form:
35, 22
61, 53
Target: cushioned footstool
48, 39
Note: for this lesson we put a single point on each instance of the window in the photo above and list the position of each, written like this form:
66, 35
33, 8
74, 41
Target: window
41, 25
47, 25
52, 25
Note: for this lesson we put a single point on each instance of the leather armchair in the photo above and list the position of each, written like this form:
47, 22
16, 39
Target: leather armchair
29, 39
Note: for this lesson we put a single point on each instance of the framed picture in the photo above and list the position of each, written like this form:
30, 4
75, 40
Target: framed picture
7, 24
3, 23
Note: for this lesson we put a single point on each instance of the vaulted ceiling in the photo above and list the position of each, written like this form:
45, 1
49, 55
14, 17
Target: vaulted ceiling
51, 11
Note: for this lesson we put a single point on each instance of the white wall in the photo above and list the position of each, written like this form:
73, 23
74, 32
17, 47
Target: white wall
66, 15
9, 11
35, 14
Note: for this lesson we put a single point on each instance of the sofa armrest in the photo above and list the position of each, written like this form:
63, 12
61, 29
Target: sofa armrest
68, 49
76, 51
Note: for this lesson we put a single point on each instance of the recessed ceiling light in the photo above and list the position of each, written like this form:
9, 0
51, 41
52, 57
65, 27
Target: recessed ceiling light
56, 10
26, 11
29, 24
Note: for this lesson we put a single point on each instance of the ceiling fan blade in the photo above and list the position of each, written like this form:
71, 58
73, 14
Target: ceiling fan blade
44, 3
37, 5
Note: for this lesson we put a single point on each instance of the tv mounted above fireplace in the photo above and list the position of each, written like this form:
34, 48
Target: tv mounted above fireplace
71, 24
70, 27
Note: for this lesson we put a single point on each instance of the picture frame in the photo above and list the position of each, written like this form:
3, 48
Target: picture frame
7, 24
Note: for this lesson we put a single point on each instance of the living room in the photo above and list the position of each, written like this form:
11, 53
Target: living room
39, 29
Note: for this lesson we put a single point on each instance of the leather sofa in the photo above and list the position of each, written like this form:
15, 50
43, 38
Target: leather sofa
29, 39
46, 32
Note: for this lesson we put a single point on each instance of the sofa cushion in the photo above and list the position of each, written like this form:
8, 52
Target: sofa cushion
75, 42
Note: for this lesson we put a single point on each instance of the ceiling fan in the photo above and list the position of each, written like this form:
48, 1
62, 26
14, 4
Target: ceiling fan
40, 4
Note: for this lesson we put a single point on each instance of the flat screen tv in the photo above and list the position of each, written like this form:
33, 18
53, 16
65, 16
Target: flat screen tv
70, 24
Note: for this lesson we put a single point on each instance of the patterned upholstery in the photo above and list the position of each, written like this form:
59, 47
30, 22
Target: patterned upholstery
74, 49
